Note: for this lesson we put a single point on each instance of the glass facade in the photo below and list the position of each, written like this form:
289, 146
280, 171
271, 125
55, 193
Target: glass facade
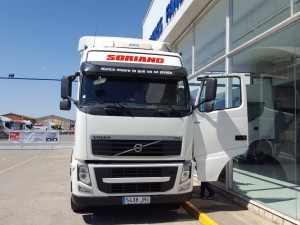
297, 6
185, 48
195, 85
251, 18
268, 172
270, 165
210, 36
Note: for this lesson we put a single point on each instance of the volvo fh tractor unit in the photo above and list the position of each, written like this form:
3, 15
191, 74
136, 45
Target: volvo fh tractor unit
138, 136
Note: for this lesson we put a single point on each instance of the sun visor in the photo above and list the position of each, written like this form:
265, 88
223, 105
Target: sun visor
133, 69
134, 58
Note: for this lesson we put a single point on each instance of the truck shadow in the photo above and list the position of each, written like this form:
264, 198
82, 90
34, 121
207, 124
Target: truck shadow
135, 215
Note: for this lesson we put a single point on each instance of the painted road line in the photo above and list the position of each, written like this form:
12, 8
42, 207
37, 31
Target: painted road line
202, 217
10, 168
2, 160
57, 157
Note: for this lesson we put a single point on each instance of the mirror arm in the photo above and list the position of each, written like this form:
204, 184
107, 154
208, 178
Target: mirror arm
197, 106
75, 102
201, 86
72, 99
73, 77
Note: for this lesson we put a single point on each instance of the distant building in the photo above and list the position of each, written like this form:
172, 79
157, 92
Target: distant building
67, 124
14, 116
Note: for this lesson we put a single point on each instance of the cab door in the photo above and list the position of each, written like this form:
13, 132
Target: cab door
220, 125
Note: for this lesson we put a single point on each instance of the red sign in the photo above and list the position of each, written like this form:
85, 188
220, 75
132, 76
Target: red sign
14, 136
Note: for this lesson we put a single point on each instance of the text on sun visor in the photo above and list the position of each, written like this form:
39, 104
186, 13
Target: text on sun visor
136, 71
134, 58
130, 58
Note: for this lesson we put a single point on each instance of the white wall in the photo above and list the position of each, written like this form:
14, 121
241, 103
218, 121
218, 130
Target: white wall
158, 10
181, 20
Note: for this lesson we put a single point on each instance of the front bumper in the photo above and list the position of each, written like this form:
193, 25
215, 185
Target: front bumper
117, 200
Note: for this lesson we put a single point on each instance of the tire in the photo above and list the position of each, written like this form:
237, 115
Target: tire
174, 206
258, 152
77, 208
171, 206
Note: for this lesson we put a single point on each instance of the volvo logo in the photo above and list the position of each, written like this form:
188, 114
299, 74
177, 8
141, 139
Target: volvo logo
138, 147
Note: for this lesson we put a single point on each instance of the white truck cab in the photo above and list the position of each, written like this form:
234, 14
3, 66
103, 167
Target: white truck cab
138, 136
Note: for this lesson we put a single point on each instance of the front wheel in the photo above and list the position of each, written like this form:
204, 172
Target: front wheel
258, 152
172, 206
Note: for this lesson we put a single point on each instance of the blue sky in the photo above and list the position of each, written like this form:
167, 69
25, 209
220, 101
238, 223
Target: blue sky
39, 39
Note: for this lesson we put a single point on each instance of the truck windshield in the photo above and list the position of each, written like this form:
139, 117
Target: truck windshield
167, 95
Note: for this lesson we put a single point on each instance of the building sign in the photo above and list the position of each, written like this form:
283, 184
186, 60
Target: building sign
171, 8
157, 30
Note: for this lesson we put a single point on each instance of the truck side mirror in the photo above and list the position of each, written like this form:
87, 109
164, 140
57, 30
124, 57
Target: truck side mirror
66, 92
208, 106
66, 87
210, 92
65, 104
211, 89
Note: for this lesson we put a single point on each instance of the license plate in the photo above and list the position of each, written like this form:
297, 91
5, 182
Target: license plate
136, 200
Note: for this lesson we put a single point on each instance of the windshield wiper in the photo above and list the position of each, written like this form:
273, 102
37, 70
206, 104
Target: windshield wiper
111, 107
170, 109
121, 108
94, 102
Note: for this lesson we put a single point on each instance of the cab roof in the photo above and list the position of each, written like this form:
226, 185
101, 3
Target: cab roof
117, 42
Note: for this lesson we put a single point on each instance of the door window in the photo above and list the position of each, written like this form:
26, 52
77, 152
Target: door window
228, 94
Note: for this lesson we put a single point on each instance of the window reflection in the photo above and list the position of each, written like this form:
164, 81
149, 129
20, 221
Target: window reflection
297, 6
185, 48
210, 36
272, 160
226, 86
251, 18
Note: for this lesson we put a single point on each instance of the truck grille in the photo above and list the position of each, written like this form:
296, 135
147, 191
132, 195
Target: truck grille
115, 188
149, 147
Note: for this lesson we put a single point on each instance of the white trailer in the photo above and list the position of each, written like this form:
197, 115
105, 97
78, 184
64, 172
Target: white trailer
138, 136
28, 125
7, 123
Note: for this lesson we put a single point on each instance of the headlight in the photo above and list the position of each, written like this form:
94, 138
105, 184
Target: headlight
83, 173
186, 172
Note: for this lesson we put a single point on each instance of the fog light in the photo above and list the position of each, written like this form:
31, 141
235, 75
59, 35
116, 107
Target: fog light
83, 173
85, 189
186, 172
185, 187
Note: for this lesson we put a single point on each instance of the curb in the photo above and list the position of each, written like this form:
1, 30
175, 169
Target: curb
200, 216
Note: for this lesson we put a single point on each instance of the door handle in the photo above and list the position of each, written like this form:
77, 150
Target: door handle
241, 137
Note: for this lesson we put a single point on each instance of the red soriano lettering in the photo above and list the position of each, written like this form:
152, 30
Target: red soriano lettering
129, 58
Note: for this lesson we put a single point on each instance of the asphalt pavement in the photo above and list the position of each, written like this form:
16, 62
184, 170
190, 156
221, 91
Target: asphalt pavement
34, 190
220, 210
